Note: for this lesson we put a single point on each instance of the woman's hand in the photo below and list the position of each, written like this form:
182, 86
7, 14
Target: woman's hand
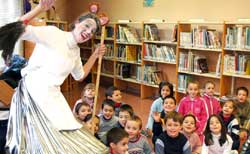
46, 4
100, 50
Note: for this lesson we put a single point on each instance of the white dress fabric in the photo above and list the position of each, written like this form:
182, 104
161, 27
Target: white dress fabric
55, 56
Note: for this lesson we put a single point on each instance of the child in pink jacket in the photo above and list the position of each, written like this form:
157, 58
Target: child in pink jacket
195, 105
212, 103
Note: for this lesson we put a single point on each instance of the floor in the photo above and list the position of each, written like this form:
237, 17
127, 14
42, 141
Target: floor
141, 107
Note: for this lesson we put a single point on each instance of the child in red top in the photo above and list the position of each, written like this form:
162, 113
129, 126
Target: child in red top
195, 105
114, 94
212, 103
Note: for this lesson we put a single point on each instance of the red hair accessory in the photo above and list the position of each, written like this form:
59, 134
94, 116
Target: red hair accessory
26, 22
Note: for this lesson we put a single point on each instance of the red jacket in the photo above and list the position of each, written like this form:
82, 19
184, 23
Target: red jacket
213, 104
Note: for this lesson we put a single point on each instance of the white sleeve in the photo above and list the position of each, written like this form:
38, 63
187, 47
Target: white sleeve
78, 73
40, 34
228, 145
204, 149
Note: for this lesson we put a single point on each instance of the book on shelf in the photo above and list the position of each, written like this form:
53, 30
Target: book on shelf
151, 32
174, 33
202, 63
183, 81
151, 75
110, 51
127, 34
236, 64
129, 53
217, 70
123, 70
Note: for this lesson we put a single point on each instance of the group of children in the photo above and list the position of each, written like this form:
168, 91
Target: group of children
116, 125
197, 124
208, 124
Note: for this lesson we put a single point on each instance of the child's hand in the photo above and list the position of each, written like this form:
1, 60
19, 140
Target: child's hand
46, 4
100, 50
157, 117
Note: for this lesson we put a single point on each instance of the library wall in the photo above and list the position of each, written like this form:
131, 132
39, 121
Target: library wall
173, 10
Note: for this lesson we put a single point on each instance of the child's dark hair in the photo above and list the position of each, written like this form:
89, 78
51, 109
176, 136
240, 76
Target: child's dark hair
86, 16
110, 91
128, 108
115, 135
79, 105
9, 34
190, 115
208, 134
136, 119
242, 88
177, 117
169, 85
109, 103
169, 97
89, 117
225, 100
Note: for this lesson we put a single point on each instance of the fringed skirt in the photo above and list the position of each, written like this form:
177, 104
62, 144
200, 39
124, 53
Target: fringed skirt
30, 131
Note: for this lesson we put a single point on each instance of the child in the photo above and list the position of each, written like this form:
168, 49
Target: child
81, 111
243, 137
229, 120
194, 104
243, 108
169, 106
165, 89
212, 103
189, 126
246, 147
114, 94
171, 140
216, 139
89, 124
87, 95
117, 140
107, 119
138, 143
125, 113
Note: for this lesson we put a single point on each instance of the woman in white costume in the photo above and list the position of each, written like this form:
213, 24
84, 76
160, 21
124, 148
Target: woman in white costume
40, 118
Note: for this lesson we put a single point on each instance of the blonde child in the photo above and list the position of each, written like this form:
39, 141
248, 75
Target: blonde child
230, 122
81, 111
126, 112
169, 106
216, 139
107, 119
117, 141
243, 107
212, 103
243, 138
188, 129
138, 143
165, 89
194, 104
172, 140
114, 94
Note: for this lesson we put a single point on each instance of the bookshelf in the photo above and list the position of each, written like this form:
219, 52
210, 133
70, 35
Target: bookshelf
175, 55
158, 56
199, 54
29, 46
236, 57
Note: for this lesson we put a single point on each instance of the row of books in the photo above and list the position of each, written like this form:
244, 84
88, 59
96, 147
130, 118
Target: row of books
183, 81
127, 34
201, 37
151, 32
151, 75
110, 51
129, 53
125, 70
192, 63
237, 63
161, 53
238, 37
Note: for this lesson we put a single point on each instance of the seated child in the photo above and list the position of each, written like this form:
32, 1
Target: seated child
216, 139
114, 94
188, 129
126, 112
165, 89
243, 107
246, 147
138, 143
169, 105
244, 133
229, 120
117, 141
87, 95
212, 103
89, 124
81, 111
172, 140
107, 119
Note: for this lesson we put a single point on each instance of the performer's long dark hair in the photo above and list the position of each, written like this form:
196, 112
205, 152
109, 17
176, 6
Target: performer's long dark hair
9, 35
